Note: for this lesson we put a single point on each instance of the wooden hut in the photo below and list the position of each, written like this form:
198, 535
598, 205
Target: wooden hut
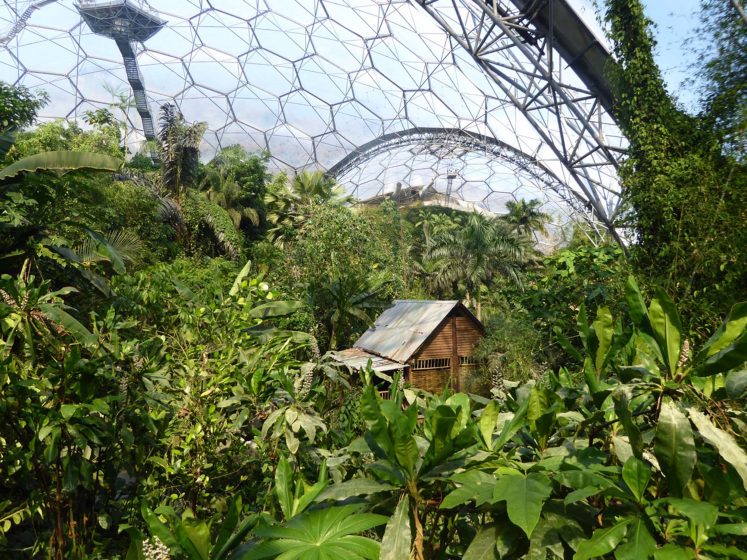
432, 342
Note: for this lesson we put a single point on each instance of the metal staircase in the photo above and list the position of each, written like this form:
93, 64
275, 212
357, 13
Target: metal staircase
22, 20
135, 78
127, 24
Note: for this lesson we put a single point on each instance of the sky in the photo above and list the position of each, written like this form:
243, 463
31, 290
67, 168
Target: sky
676, 23
676, 33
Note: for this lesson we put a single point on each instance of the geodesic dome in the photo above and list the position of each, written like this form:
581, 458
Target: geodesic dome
486, 101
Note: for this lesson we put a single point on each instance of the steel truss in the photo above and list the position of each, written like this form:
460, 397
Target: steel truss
455, 141
335, 84
518, 47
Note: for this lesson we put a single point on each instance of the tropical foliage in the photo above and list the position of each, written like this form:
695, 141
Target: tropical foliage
526, 217
684, 175
469, 257
165, 390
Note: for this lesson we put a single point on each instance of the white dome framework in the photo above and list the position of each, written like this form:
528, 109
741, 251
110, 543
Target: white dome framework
491, 100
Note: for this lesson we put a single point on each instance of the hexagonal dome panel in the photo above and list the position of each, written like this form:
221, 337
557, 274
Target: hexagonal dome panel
448, 96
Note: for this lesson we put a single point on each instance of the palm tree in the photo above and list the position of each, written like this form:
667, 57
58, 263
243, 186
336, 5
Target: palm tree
221, 187
472, 256
179, 143
344, 301
316, 187
288, 202
192, 213
526, 218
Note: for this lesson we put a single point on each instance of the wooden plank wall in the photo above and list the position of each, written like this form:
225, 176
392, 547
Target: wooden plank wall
468, 335
431, 380
440, 346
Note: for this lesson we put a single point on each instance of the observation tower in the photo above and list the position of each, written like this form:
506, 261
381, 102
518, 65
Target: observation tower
126, 23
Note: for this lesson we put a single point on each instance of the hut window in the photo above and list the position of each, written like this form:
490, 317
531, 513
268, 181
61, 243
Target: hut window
467, 361
433, 363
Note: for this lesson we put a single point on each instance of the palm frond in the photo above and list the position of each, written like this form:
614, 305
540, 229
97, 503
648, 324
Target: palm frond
251, 214
228, 246
125, 245
170, 212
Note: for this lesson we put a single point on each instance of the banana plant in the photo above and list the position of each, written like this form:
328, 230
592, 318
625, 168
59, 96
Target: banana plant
60, 161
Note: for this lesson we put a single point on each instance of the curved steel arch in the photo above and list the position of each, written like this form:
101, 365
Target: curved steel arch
520, 47
311, 80
471, 141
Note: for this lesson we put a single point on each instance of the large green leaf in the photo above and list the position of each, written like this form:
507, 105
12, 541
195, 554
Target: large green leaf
674, 552
639, 544
354, 487
636, 305
729, 357
310, 493
62, 318
320, 534
61, 161
275, 309
158, 529
545, 540
524, 496
397, 539
603, 328
699, 513
602, 542
228, 524
622, 409
135, 550
724, 551
732, 328
582, 324
512, 426
243, 273
194, 537
229, 540
566, 345
738, 529
488, 420
405, 447
736, 383
585, 483
723, 441
482, 546
473, 485
636, 475
665, 322
441, 423
284, 486
674, 447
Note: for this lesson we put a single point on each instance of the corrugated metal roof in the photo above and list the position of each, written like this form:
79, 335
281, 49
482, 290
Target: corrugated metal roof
403, 328
355, 358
